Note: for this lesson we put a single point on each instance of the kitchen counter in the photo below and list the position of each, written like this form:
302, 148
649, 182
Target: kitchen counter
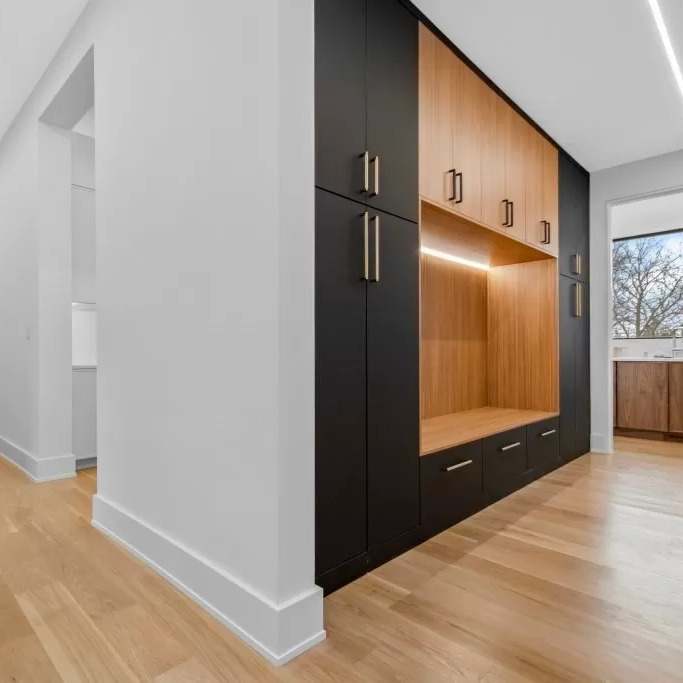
633, 359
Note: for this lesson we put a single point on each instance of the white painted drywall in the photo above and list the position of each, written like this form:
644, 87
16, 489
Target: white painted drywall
84, 335
84, 413
654, 176
648, 216
205, 297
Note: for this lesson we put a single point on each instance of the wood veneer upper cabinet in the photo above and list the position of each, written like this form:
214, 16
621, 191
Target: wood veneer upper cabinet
533, 187
468, 94
516, 136
643, 396
436, 103
551, 190
494, 114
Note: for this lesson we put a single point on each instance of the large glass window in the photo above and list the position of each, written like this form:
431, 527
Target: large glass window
648, 286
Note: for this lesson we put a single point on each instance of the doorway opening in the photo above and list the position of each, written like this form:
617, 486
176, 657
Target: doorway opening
647, 317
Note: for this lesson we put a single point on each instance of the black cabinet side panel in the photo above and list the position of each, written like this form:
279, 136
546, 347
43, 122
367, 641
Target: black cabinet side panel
392, 74
340, 387
568, 326
393, 383
574, 218
340, 96
583, 377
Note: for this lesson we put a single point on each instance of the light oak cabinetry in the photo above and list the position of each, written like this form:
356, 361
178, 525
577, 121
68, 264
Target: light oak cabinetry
478, 156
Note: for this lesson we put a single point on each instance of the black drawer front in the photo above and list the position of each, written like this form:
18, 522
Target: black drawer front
543, 444
504, 460
450, 485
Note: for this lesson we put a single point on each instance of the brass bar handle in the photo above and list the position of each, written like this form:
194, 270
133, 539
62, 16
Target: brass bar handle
458, 185
375, 190
366, 246
375, 220
510, 446
577, 264
366, 171
580, 300
452, 196
458, 466
577, 300
549, 433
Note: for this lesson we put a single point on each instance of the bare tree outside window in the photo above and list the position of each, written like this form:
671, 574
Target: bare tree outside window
648, 286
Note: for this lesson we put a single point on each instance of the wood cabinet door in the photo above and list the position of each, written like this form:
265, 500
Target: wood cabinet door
340, 386
340, 96
536, 233
493, 129
583, 373
393, 398
550, 195
468, 93
643, 398
515, 190
392, 101
436, 103
675, 397
568, 325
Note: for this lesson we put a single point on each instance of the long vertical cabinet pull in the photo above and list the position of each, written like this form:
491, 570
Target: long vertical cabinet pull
375, 189
578, 302
458, 187
577, 264
366, 171
375, 220
366, 246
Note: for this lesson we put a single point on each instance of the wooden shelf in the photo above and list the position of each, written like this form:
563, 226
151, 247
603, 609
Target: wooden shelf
439, 433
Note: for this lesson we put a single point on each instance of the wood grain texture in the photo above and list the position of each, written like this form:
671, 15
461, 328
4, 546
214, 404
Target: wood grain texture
551, 190
523, 336
533, 187
454, 337
443, 432
675, 397
493, 123
643, 396
444, 230
436, 102
576, 577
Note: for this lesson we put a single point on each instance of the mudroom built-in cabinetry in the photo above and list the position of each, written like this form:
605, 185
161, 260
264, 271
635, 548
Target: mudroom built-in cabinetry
439, 376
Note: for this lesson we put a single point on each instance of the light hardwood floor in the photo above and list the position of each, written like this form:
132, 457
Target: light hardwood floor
577, 577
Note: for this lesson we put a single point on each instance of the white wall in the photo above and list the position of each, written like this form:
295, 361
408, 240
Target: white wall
205, 297
83, 228
648, 216
658, 175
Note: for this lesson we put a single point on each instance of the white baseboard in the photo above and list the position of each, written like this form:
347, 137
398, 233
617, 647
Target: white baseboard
278, 631
38, 469
601, 443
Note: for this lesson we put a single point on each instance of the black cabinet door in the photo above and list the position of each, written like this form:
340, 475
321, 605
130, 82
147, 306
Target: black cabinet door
340, 390
392, 91
340, 96
582, 374
393, 379
568, 325
574, 219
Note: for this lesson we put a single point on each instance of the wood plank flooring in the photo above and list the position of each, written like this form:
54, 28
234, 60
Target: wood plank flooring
578, 577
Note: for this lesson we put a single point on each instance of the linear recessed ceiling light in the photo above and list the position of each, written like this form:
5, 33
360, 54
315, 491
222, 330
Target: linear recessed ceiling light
668, 47
453, 259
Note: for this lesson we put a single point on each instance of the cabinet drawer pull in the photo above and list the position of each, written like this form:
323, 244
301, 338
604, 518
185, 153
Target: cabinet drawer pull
552, 431
459, 188
366, 170
375, 190
458, 466
452, 173
510, 446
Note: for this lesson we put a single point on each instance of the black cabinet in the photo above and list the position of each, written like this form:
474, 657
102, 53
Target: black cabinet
393, 399
543, 445
451, 485
367, 379
366, 103
504, 461
574, 369
574, 219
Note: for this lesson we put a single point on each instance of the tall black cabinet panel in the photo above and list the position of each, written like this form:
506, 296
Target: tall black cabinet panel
574, 369
340, 439
341, 96
393, 379
574, 219
392, 82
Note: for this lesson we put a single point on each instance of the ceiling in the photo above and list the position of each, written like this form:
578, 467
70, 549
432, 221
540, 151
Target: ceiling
647, 216
594, 75
31, 32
